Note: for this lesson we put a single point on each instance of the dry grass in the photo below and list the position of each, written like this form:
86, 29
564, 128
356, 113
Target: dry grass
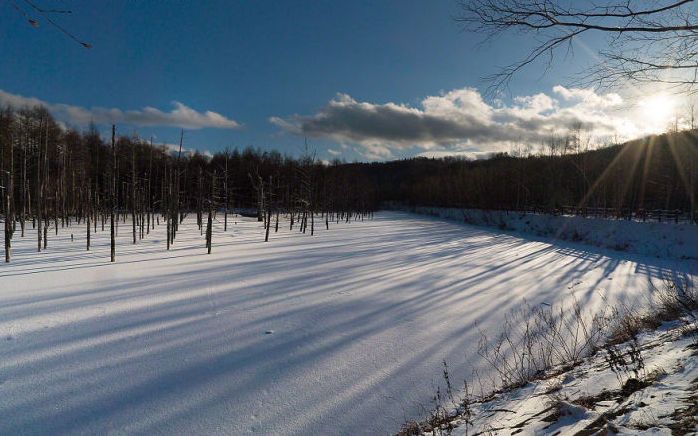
539, 342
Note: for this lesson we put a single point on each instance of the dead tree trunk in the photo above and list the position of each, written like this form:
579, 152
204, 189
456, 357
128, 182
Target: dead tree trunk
46, 177
225, 191
176, 218
200, 203
209, 224
268, 214
39, 194
9, 215
23, 212
112, 203
88, 215
149, 193
133, 190
168, 209
95, 205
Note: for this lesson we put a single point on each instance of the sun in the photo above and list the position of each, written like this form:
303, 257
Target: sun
657, 112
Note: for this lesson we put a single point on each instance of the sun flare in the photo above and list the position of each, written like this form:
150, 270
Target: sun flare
657, 111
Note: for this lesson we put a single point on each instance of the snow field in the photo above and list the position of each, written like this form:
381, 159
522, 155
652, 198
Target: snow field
361, 316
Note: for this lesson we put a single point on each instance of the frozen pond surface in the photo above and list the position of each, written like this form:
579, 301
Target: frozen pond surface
340, 333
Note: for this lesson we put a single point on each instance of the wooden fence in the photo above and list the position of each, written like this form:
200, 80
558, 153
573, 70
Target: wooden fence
655, 215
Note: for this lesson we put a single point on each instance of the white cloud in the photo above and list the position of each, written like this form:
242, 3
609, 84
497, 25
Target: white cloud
180, 115
376, 151
588, 97
286, 125
470, 155
461, 120
174, 149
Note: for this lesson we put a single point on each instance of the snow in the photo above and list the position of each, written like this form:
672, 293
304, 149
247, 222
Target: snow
657, 239
361, 318
670, 367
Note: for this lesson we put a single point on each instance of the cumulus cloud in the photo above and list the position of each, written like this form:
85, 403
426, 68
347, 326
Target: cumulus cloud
180, 116
347, 119
173, 149
461, 119
588, 97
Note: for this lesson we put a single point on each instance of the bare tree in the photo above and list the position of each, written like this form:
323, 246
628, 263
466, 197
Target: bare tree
176, 217
649, 40
9, 215
133, 189
225, 190
148, 191
267, 221
258, 185
29, 11
89, 212
209, 222
112, 203
40, 184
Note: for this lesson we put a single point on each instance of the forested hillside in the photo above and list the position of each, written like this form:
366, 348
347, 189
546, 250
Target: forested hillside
657, 172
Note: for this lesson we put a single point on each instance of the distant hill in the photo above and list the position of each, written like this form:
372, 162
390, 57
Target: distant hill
655, 172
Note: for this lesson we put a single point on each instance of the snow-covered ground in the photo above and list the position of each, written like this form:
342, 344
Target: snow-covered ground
340, 333
655, 390
657, 239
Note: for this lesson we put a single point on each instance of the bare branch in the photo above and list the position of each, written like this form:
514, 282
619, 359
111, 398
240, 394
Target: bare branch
46, 15
657, 42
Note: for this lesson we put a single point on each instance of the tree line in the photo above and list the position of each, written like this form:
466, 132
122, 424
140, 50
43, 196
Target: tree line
52, 177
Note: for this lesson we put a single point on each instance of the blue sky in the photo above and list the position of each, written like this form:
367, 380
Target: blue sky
276, 72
